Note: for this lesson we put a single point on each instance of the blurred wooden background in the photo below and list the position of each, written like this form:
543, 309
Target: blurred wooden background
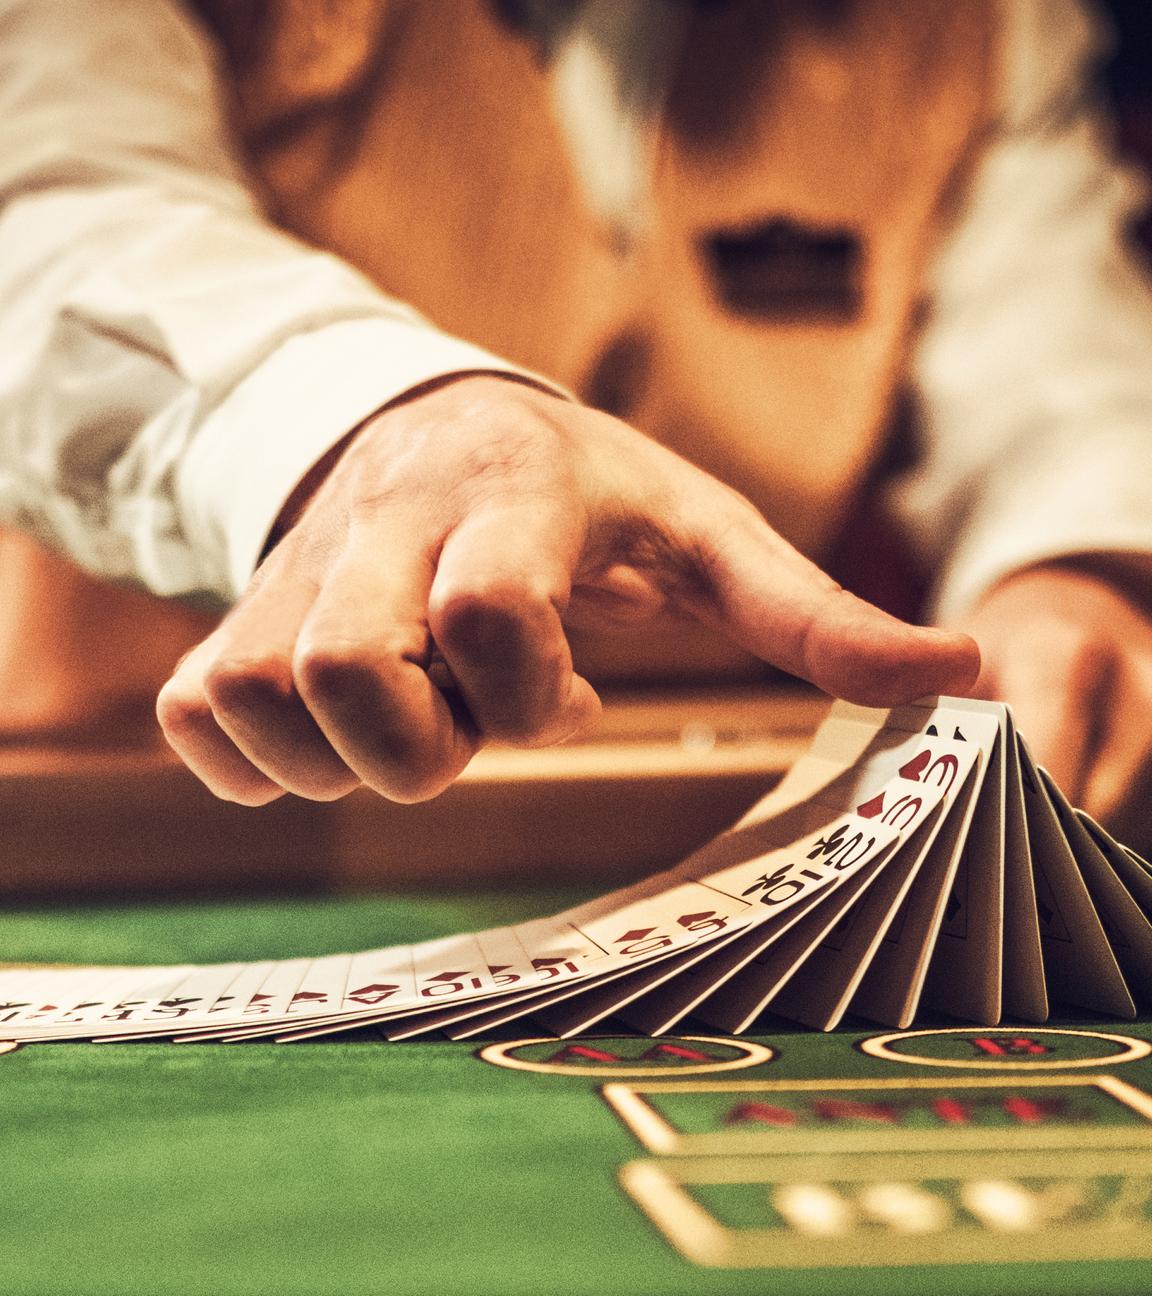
663, 773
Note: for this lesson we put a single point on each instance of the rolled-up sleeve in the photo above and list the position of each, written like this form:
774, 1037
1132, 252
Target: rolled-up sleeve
170, 363
1034, 368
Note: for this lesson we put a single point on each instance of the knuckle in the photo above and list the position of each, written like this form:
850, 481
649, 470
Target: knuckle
489, 614
183, 714
333, 670
248, 684
349, 684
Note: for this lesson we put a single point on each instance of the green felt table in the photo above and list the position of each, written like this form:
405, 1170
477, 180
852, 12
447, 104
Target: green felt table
360, 1167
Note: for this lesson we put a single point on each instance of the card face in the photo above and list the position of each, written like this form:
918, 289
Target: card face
964, 976
105, 1005
891, 986
320, 989
818, 994
654, 954
659, 925
912, 856
508, 964
581, 1012
413, 1025
917, 780
323, 988
270, 1001
719, 892
663, 1007
483, 1023
890, 989
22, 991
452, 969
521, 964
223, 990
33, 1000
194, 996
757, 987
231, 1003
186, 1004
513, 975
378, 982
819, 991
713, 908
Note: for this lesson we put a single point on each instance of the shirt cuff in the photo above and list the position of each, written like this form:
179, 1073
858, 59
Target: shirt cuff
251, 452
1090, 500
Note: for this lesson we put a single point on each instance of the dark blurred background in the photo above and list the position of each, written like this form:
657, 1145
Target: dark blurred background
1129, 83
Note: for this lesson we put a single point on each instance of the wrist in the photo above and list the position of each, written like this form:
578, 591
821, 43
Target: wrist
482, 384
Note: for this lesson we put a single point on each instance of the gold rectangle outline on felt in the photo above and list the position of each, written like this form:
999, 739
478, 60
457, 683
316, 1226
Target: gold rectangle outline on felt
660, 1136
659, 1188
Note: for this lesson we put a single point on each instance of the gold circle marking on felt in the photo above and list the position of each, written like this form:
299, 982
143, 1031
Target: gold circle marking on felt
755, 1055
9, 1046
878, 1047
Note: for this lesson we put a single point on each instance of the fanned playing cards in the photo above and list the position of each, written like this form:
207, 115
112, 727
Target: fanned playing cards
913, 860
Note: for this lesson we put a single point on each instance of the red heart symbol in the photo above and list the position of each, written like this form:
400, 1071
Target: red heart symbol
870, 809
915, 766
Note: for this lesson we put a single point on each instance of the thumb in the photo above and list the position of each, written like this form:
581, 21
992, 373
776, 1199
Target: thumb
782, 607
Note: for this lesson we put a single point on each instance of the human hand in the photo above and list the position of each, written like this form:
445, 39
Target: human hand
1069, 647
417, 606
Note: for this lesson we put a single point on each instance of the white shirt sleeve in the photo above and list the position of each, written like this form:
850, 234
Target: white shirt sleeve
170, 364
1034, 369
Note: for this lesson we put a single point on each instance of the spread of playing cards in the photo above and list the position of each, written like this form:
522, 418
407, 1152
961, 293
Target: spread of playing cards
912, 860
